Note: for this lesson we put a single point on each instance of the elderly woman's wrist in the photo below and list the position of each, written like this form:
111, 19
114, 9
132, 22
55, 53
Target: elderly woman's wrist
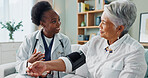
47, 66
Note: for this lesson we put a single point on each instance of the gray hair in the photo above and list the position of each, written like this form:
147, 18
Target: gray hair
121, 13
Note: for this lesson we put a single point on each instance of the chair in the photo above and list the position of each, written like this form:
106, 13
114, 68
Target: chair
8, 70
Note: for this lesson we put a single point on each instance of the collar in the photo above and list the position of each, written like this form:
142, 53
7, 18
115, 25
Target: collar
38, 36
56, 42
117, 43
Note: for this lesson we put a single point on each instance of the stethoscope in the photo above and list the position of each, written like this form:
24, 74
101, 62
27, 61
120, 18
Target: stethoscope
59, 40
61, 53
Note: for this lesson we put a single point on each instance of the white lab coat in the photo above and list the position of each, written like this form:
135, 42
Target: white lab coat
25, 50
126, 60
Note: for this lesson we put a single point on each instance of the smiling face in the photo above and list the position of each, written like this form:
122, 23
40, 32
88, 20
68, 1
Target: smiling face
50, 23
107, 28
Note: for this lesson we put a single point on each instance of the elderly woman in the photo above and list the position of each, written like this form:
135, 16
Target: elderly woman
113, 54
44, 44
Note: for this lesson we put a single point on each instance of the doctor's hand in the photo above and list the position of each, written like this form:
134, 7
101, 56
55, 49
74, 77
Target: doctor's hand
36, 69
36, 57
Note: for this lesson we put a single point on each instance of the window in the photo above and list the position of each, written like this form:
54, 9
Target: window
16, 10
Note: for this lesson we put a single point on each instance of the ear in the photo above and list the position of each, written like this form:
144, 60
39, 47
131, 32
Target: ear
120, 29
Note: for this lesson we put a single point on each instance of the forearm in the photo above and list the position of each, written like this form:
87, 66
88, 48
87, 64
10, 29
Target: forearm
55, 65
67, 64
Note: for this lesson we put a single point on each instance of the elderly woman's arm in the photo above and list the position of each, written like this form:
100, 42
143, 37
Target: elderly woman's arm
37, 68
67, 64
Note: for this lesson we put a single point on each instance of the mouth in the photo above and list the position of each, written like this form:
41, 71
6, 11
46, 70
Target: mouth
101, 32
57, 29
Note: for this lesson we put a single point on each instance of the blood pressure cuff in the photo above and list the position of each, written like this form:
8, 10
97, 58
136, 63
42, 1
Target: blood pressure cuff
77, 59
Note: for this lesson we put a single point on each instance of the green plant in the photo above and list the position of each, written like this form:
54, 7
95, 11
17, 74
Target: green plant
83, 24
11, 27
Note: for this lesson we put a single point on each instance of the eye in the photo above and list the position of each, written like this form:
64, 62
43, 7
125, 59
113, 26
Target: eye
103, 23
59, 19
54, 21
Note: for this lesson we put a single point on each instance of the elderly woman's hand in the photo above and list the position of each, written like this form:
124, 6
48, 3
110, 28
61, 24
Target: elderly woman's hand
36, 69
36, 57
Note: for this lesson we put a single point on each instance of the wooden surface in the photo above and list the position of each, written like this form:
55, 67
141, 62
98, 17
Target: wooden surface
89, 18
95, 11
145, 44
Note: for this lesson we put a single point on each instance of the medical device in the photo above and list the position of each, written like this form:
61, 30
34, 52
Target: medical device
77, 59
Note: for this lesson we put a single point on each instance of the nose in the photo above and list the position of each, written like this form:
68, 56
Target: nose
100, 25
58, 23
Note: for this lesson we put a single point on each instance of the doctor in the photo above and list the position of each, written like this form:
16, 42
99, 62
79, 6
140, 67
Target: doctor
44, 44
113, 54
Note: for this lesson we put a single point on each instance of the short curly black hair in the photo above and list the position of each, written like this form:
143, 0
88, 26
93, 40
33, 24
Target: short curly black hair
38, 10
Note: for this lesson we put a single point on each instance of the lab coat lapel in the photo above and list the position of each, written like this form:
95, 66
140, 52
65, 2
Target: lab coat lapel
41, 43
38, 36
56, 43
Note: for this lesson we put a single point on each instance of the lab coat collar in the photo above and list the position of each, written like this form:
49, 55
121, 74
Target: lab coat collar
56, 41
117, 43
38, 36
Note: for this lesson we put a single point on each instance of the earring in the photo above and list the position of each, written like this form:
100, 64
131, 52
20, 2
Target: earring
118, 38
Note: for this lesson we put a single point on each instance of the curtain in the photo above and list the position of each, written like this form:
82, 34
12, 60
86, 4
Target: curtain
16, 11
